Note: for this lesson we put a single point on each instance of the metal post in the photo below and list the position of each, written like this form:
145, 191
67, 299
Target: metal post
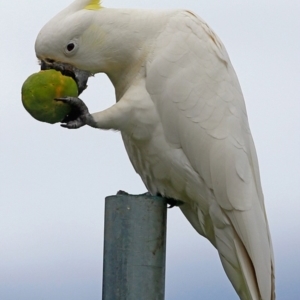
134, 248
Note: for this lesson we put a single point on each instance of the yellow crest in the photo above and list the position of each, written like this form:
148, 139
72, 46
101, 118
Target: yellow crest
94, 5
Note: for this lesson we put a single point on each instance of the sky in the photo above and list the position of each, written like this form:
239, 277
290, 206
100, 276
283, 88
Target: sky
53, 181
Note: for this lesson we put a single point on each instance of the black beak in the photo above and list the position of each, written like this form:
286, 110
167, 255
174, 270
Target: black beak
80, 76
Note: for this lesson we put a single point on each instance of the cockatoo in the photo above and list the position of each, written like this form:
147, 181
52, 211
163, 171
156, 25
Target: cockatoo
181, 113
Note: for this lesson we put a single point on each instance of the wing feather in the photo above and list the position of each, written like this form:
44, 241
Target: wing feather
201, 107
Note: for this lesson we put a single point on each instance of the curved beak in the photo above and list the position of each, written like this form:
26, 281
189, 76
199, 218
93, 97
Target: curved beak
80, 76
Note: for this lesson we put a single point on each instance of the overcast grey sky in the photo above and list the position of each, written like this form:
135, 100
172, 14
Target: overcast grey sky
54, 181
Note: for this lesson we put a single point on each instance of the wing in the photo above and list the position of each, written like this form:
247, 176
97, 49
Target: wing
198, 98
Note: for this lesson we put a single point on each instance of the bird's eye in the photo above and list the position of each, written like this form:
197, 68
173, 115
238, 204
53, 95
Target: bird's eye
70, 47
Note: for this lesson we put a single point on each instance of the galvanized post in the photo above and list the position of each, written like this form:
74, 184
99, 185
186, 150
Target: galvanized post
134, 248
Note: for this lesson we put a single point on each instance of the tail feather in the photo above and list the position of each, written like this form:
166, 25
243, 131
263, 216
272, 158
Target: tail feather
236, 261
249, 268
237, 264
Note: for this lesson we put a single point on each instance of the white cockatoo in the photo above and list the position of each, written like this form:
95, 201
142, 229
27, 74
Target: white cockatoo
182, 116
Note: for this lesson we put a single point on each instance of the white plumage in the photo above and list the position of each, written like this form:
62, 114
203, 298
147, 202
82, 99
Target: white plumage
183, 120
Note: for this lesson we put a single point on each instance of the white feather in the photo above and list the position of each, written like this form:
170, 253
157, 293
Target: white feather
184, 124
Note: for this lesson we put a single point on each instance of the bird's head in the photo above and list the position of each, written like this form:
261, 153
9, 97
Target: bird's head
70, 42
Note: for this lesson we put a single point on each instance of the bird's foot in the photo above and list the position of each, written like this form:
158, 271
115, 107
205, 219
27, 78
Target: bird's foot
173, 202
122, 193
79, 115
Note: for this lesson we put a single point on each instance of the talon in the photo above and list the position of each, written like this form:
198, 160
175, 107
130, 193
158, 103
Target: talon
61, 99
79, 114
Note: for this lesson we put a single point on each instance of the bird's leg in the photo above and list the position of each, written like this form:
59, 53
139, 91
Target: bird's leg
79, 115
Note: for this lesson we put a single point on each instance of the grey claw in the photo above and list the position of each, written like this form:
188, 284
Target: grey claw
75, 102
73, 124
61, 99
79, 115
122, 193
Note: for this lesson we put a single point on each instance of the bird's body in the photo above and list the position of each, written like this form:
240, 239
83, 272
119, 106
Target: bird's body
183, 121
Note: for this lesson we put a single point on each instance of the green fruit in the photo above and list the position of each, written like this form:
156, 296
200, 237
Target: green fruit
39, 91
